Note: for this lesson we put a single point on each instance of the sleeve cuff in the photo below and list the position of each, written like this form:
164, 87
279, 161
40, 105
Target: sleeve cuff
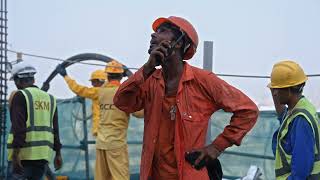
137, 78
221, 143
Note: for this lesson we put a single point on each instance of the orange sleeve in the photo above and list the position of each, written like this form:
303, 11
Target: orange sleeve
230, 99
130, 95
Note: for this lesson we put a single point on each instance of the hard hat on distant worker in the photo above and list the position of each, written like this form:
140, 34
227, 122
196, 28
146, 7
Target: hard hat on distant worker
184, 26
114, 67
23, 70
287, 74
98, 74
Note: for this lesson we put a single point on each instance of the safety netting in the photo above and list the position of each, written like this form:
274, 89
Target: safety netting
255, 148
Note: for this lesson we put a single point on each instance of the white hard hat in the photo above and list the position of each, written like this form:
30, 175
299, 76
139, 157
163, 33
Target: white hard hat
23, 70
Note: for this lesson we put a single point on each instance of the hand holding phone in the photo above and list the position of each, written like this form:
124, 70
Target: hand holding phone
165, 49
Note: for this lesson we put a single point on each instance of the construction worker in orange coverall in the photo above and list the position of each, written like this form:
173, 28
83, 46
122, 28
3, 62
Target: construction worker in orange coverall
178, 100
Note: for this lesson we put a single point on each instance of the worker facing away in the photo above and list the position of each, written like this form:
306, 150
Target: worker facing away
48, 172
178, 101
296, 142
112, 159
98, 79
34, 133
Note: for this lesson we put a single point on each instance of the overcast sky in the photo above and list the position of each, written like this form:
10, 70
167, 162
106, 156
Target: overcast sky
249, 36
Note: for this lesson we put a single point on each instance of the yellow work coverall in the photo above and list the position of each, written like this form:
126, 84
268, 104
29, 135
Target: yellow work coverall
112, 159
90, 93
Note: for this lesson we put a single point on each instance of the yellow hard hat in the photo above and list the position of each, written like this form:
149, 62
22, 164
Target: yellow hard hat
286, 74
98, 74
114, 67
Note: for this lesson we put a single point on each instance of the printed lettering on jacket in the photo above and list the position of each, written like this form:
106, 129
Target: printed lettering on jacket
42, 105
107, 107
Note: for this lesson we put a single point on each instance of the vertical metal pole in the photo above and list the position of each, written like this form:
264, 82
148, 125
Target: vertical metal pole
3, 84
207, 65
85, 137
2, 108
5, 75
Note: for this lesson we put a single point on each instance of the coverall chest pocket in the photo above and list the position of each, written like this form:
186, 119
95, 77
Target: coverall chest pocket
194, 130
194, 117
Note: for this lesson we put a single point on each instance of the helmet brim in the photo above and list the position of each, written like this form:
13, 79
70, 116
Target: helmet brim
159, 21
287, 86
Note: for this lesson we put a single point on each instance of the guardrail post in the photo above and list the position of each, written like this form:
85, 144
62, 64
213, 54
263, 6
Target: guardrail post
207, 65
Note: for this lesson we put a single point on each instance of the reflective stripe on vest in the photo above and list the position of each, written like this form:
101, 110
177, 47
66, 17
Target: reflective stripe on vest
284, 171
39, 132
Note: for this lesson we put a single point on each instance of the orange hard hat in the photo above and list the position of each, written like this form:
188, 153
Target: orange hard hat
186, 27
98, 74
114, 67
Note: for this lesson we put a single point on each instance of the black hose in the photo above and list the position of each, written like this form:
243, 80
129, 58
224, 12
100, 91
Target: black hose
80, 58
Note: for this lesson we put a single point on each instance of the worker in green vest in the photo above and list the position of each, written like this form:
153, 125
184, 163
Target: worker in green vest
296, 142
34, 134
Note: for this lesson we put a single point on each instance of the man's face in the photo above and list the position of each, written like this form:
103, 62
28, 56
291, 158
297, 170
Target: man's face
96, 83
163, 33
281, 94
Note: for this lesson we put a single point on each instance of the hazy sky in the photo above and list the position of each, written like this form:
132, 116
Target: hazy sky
249, 35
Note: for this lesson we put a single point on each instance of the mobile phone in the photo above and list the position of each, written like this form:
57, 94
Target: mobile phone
172, 45
191, 157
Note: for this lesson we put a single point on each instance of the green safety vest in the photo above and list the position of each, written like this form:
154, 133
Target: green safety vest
283, 160
39, 136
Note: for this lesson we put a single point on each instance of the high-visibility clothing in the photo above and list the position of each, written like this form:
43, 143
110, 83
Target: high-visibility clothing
39, 136
283, 159
113, 126
87, 92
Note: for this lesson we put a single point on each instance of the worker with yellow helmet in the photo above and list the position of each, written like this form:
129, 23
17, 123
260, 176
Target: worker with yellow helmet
296, 143
97, 79
112, 161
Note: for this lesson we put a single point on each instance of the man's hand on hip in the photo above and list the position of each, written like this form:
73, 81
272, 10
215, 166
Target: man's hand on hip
208, 152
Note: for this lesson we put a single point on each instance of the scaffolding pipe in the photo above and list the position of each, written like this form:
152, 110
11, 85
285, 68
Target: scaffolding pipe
85, 137
3, 84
